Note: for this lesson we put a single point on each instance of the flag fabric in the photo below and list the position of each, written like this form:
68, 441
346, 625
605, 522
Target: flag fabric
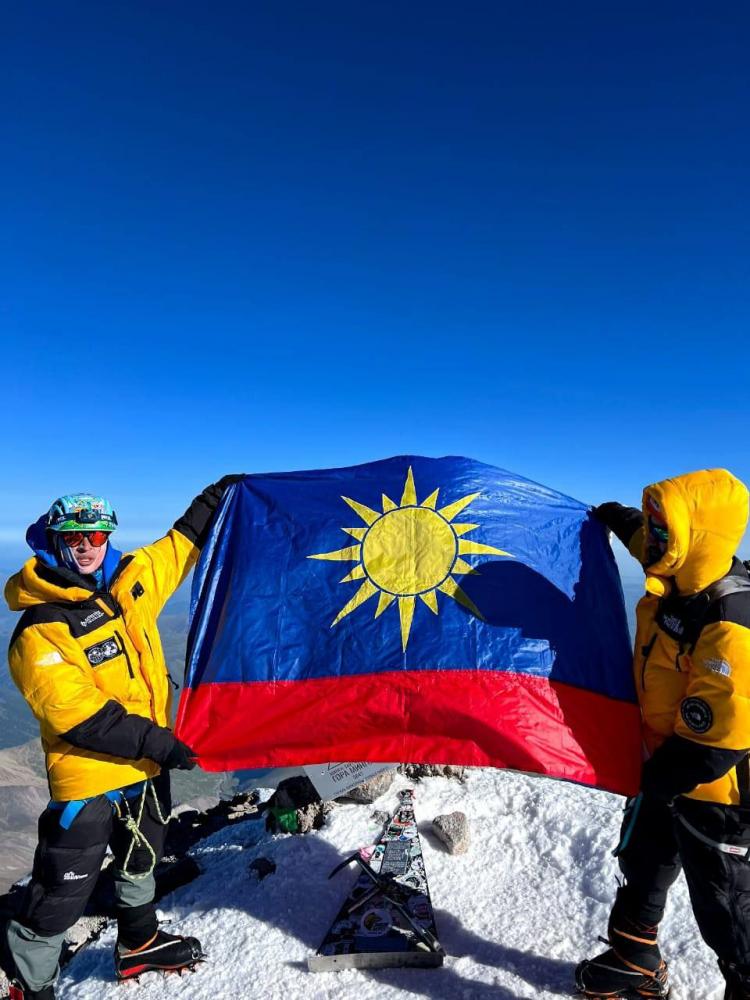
412, 609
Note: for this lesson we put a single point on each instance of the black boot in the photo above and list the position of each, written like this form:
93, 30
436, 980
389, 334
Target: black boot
631, 969
165, 952
18, 992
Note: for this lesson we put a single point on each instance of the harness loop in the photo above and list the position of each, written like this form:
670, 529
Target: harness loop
133, 825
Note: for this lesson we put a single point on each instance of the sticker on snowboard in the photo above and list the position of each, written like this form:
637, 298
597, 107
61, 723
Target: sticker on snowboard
387, 919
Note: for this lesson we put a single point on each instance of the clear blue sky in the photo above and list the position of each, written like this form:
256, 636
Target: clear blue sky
243, 237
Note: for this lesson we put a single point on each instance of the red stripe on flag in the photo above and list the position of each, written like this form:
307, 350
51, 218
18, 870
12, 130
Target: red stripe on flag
484, 718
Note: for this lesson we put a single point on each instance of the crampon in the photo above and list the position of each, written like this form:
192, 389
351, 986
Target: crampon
165, 953
610, 977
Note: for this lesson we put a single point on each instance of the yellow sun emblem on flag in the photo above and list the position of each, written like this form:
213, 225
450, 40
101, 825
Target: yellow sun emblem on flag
407, 551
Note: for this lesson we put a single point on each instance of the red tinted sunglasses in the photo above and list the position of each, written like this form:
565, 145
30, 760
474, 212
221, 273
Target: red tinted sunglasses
73, 538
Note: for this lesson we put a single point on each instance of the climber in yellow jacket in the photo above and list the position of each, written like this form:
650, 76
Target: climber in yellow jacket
692, 674
87, 656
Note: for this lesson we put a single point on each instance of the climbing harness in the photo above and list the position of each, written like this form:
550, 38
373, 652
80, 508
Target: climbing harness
120, 802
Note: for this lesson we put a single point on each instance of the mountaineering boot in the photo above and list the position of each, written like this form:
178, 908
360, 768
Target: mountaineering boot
18, 992
631, 969
163, 952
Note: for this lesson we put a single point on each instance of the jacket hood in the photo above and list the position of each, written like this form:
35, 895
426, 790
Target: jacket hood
42, 580
706, 513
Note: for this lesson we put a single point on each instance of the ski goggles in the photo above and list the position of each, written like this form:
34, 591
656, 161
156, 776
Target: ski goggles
658, 530
73, 538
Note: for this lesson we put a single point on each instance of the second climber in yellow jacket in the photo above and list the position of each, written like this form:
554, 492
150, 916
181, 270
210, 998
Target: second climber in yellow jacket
87, 656
692, 674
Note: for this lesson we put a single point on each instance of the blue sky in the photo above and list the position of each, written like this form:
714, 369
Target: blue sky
244, 237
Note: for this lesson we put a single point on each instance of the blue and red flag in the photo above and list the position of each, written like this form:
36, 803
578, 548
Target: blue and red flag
413, 609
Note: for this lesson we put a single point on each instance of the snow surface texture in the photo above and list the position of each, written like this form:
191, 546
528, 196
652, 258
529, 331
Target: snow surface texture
515, 914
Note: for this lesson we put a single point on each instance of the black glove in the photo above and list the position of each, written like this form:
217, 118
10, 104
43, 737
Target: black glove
230, 480
607, 512
180, 757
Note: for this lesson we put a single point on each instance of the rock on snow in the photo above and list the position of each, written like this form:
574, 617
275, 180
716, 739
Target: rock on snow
514, 915
453, 831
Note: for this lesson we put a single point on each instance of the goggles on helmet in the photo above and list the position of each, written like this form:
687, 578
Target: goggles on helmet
73, 538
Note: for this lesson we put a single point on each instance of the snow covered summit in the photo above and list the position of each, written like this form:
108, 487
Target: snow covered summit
515, 914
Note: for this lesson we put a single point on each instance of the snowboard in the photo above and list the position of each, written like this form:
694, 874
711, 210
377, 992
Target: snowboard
387, 919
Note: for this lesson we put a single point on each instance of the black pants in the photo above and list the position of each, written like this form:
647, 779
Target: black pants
67, 864
719, 883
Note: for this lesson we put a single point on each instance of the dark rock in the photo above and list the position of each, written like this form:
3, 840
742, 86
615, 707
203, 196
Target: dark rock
453, 830
262, 867
296, 807
173, 874
370, 790
295, 793
416, 771
380, 817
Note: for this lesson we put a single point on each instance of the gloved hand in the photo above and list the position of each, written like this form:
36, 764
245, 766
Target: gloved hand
181, 757
606, 512
233, 477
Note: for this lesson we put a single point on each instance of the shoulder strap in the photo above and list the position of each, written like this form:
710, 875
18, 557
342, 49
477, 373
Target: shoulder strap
743, 781
704, 601
715, 591
724, 587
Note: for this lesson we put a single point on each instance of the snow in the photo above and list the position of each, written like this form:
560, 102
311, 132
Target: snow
515, 914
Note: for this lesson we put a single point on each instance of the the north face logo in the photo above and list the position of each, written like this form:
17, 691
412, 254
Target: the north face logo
673, 624
102, 651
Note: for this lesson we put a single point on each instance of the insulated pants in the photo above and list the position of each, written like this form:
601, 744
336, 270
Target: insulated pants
719, 883
66, 866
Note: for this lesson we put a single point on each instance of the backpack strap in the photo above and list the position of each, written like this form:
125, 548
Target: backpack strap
743, 781
715, 592
701, 604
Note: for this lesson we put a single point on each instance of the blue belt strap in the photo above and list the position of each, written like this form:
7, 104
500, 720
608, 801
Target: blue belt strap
71, 809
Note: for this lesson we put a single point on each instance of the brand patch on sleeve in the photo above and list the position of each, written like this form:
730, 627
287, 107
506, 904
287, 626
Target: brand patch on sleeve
718, 667
697, 715
47, 659
102, 651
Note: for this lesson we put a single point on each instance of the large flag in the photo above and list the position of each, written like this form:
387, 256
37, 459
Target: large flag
413, 609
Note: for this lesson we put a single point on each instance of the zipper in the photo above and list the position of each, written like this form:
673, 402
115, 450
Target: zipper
125, 651
645, 653
171, 679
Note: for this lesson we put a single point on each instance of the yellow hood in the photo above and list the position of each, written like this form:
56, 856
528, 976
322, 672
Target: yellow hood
706, 513
29, 587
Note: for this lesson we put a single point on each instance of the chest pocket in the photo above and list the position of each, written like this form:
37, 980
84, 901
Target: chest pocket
103, 651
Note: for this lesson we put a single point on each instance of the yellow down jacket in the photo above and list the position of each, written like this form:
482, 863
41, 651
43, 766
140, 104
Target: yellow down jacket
80, 654
699, 691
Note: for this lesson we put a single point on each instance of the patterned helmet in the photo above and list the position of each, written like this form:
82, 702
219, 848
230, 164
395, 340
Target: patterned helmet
81, 512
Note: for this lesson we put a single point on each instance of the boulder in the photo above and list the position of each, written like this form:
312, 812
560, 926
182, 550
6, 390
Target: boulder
371, 789
453, 830
296, 807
